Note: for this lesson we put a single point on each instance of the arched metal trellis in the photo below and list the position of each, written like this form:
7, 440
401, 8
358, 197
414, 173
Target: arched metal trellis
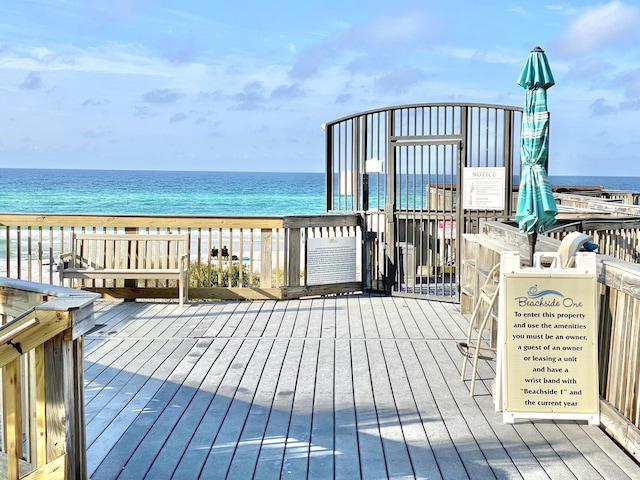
407, 169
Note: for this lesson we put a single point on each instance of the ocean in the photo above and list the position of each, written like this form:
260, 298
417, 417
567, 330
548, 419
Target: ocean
119, 192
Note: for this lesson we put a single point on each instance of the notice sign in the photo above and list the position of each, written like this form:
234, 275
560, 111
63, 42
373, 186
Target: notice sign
550, 346
447, 229
484, 188
331, 260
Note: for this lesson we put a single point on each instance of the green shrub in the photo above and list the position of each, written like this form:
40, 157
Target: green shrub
199, 276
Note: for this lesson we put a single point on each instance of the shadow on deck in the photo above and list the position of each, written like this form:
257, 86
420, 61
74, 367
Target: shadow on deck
338, 387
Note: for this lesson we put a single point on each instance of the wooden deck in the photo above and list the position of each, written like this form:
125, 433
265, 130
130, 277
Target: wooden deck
342, 387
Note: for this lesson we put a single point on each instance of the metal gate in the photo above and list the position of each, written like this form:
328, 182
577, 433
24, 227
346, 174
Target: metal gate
423, 227
402, 168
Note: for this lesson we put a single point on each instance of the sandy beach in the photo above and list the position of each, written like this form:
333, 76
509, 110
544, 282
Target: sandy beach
33, 271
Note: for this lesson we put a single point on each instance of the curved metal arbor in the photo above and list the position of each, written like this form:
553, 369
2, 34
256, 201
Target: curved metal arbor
411, 204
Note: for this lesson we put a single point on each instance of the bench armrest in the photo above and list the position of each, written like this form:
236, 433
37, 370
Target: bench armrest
61, 260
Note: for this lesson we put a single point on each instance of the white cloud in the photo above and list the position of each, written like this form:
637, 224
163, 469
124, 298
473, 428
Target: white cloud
113, 10
630, 81
562, 9
487, 56
400, 80
404, 29
591, 68
161, 96
32, 82
602, 26
141, 80
520, 11
601, 107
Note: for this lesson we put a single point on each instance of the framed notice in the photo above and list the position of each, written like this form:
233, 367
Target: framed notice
331, 260
447, 229
484, 188
549, 343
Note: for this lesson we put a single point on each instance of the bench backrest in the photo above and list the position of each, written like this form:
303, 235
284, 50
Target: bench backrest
127, 251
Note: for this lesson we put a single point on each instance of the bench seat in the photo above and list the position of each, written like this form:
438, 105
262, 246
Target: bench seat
114, 256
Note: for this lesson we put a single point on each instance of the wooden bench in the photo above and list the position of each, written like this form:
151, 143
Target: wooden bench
114, 256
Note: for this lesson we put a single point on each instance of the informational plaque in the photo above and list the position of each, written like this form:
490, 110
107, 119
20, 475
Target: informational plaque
331, 260
484, 188
549, 344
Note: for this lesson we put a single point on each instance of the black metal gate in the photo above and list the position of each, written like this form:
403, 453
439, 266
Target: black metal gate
403, 169
423, 228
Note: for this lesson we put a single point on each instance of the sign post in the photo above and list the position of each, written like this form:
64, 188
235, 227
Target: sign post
549, 340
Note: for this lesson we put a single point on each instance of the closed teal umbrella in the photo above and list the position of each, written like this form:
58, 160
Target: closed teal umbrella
536, 209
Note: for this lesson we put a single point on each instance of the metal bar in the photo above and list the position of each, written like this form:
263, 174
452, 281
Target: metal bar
13, 332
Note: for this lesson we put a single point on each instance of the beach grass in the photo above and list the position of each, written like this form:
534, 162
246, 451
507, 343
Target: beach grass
237, 275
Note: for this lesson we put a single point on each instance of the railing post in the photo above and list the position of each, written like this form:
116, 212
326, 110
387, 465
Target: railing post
39, 446
293, 256
64, 393
130, 283
54, 394
266, 257
12, 416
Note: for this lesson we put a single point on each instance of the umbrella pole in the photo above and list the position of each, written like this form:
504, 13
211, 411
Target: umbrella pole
533, 237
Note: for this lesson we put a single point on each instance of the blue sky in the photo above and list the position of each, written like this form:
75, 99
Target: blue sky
246, 85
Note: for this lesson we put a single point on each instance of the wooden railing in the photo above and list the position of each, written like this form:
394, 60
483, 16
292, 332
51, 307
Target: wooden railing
618, 298
612, 221
618, 237
613, 203
41, 357
231, 257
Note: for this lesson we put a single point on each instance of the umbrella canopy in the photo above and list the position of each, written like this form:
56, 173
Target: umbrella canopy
536, 209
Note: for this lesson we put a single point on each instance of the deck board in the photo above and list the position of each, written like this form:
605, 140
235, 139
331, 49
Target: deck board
113, 446
420, 367
206, 412
271, 460
347, 457
246, 455
397, 457
321, 452
369, 439
246, 374
339, 387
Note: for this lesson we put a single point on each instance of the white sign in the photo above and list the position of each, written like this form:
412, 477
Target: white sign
484, 188
549, 342
331, 260
446, 229
345, 186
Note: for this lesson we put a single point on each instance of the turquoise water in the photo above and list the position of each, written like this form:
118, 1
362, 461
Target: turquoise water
188, 193
184, 193
160, 192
